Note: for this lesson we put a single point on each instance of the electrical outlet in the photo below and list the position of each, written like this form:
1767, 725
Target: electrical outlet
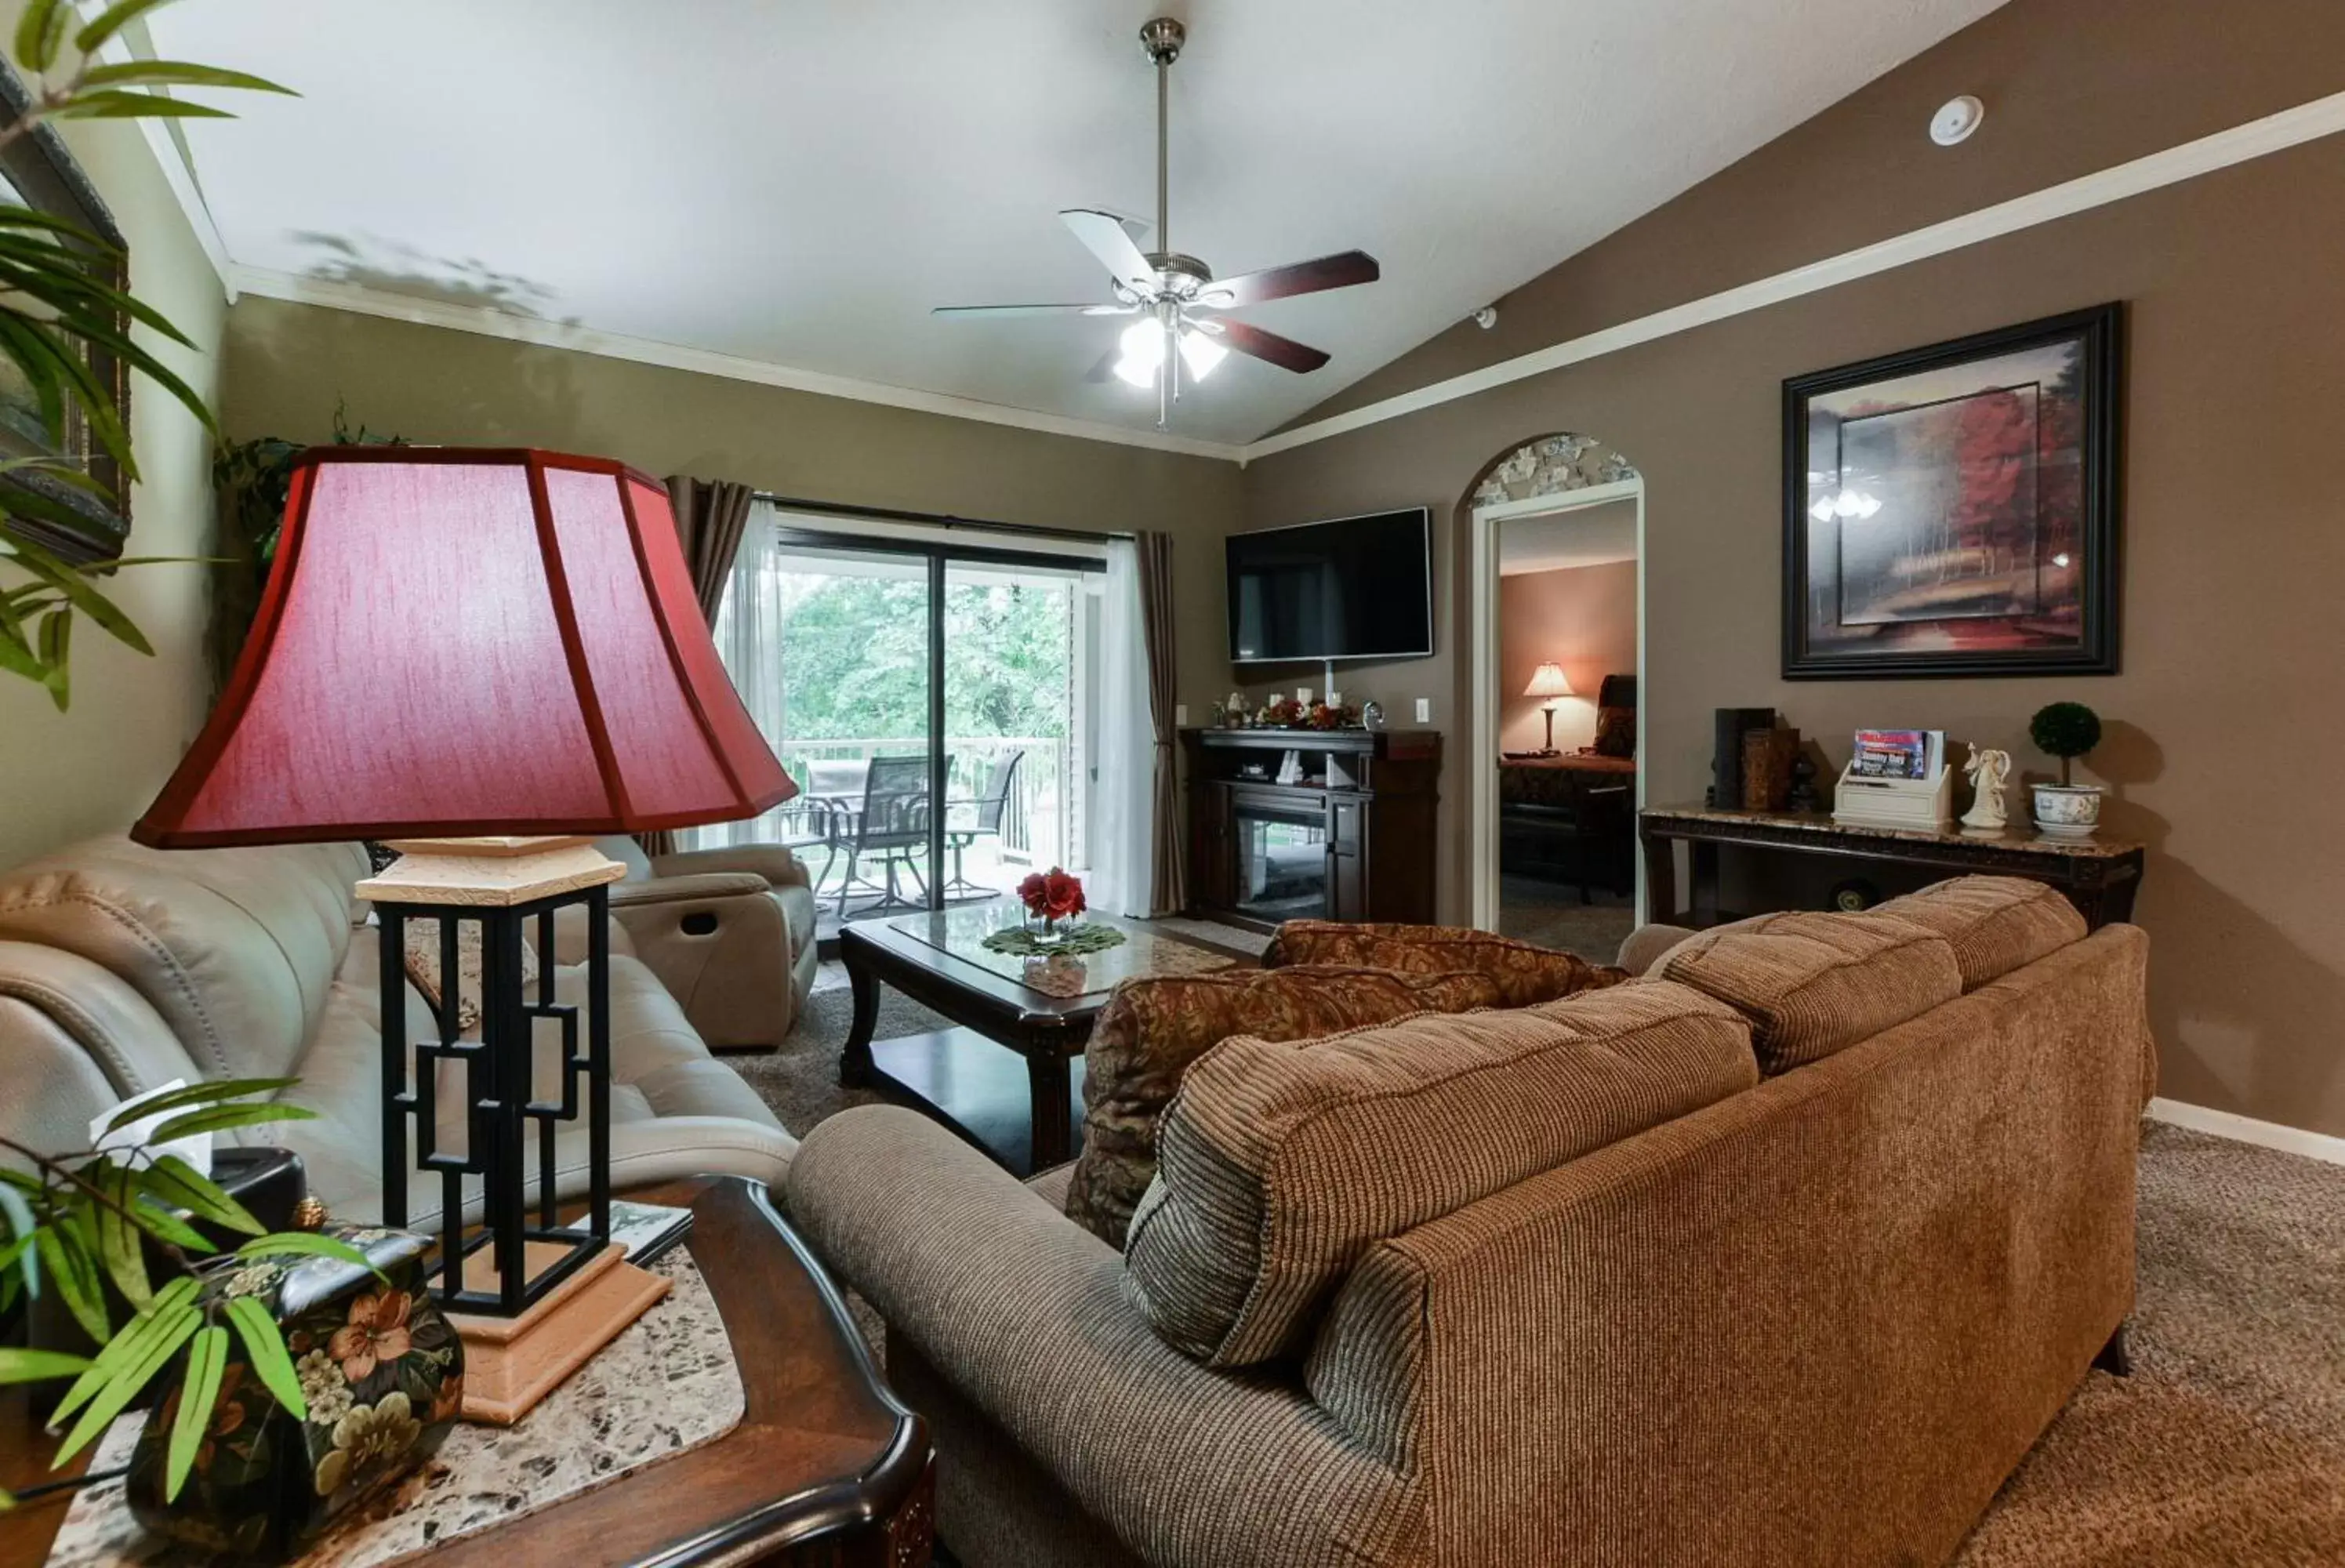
1424, 710
1179, 716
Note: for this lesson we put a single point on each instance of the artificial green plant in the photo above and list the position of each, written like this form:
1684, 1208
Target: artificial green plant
81, 1224
58, 300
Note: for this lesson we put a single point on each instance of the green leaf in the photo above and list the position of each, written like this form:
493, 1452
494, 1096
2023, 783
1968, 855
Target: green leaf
16, 655
203, 1093
39, 31
38, 1366
286, 1243
118, 1237
77, 1280
207, 1359
56, 652
115, 104
159, 1221
112, 20
131, 1344
264, 1346
178, 74
223, 1118
174, 1329
86, 597
22, 1253
173, 1180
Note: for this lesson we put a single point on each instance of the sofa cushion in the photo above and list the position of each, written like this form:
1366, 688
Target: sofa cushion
236, 949
1285, 1161
1151, 1029
1995, 924
1527, 974
1813, 984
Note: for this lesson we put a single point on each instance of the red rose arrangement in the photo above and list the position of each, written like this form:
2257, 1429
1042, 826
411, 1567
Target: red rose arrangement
1053, 894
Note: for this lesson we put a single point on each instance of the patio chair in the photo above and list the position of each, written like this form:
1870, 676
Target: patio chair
984, 816
893, 823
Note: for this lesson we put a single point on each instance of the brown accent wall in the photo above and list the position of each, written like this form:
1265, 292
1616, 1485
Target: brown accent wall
2071, 87
1583, 618
2226, 721
288, 364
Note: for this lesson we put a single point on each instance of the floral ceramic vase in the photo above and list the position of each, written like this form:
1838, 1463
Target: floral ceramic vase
2069, 812
382, 1370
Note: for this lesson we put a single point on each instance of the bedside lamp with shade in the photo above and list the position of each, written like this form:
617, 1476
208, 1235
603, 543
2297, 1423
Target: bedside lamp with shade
1547, 680
485, 657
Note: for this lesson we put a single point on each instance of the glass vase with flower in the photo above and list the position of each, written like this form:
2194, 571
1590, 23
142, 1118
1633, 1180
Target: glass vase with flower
1054, 904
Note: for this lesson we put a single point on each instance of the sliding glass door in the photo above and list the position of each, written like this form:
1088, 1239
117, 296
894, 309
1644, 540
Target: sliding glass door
935, 704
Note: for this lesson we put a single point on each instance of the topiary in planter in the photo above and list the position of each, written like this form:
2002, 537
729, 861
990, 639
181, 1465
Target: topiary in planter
2064, 730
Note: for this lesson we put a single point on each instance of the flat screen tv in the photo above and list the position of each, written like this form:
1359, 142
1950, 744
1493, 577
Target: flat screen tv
1355, 588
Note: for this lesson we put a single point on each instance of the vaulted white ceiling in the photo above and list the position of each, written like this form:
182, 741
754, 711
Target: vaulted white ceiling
798, 183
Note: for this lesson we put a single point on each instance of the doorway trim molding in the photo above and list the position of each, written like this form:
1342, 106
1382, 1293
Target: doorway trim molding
1482, 719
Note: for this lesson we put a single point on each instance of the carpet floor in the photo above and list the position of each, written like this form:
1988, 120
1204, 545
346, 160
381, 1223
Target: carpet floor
2225, 1446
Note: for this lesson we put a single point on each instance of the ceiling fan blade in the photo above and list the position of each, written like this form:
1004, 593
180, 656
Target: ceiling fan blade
1104, 235
1032, 310
1341, 270
1284, 352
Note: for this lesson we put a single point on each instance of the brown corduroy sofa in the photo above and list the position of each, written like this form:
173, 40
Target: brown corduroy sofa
1784, 1252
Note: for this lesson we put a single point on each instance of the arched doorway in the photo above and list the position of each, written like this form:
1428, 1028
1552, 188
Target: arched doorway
1561, 484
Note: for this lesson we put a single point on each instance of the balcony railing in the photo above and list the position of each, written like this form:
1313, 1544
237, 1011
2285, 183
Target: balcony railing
1034, 820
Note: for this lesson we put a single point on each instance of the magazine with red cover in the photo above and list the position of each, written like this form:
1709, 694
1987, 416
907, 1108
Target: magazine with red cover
1892, 755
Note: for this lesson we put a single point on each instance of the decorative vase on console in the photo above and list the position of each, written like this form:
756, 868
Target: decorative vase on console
2065, 810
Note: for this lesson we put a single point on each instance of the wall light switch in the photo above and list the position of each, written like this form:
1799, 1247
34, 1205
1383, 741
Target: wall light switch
1424, 710
1179, 716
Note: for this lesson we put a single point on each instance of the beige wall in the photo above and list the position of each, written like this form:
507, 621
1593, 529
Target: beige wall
65, 776
288, 364
1583, 618
2223, 726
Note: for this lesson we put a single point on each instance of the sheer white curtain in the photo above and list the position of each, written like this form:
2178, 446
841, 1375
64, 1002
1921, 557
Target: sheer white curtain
1122, 851
748, 634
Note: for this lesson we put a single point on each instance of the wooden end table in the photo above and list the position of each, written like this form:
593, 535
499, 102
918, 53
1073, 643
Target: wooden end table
826, 1469
1008, 1077
2099, 876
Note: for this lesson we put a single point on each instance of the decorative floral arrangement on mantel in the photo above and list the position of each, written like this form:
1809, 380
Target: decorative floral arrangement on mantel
1285, 713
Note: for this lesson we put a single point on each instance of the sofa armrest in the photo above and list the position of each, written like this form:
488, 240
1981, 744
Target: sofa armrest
772, 862
683, 889
1031, 1317
1644, 947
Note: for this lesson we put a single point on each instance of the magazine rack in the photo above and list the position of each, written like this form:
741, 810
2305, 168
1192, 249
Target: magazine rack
1923, 804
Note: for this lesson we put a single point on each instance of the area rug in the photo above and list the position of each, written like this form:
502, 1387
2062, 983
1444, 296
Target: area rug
2227, 1444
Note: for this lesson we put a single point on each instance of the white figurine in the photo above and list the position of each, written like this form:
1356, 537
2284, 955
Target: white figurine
1988, 768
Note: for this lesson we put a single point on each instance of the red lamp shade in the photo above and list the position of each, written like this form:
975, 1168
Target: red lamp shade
462, 641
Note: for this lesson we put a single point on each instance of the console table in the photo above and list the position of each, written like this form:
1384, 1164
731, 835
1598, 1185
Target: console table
2099, 876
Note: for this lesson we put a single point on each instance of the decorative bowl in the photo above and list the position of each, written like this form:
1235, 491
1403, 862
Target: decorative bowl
2067, 811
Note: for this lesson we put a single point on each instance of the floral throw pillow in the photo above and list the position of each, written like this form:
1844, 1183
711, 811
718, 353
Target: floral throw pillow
423, 945
1525, 975
1151, 1029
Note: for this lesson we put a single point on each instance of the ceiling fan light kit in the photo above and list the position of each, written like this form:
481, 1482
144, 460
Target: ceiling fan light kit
1176, 295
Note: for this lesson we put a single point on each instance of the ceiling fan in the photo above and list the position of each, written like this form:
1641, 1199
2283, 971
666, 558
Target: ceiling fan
1177, 297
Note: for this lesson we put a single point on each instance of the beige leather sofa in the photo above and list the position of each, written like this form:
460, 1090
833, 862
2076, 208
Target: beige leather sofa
122, 967
1425, 1294
729, 932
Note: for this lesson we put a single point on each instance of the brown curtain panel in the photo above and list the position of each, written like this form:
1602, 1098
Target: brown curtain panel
710, 514
1169, 888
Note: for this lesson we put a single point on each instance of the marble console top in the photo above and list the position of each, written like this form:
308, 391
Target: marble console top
2017, 837
667, 1384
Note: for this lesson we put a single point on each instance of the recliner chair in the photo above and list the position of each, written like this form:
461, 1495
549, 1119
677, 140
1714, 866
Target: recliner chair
729, 932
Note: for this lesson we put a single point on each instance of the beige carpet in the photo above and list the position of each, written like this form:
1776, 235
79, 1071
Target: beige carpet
2226, 1446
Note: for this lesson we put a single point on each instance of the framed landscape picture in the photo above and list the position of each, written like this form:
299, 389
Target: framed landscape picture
37, 172
1952, 510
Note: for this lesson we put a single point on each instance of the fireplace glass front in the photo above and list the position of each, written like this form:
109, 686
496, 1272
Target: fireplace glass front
1282, 862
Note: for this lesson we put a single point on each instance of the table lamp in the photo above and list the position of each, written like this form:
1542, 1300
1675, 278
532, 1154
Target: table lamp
484, 657
1547, 680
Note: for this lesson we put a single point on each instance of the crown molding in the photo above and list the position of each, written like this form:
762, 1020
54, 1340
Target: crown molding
2257, 138
363, 300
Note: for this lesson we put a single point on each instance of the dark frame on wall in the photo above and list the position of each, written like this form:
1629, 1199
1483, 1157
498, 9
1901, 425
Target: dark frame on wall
1952, 510
37, 171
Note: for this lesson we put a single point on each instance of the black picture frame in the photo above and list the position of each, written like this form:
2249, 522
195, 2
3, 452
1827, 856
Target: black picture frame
2071, 627
39, 172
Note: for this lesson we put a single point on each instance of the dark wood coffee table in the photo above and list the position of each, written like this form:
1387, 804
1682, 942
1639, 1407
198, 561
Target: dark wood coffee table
1006, 1080
826, 1469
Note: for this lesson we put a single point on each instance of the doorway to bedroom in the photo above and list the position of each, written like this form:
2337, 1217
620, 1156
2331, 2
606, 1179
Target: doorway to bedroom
1560, 668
